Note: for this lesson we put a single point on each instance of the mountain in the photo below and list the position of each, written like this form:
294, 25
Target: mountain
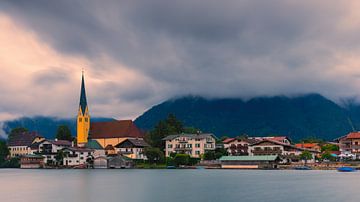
299, 117
46, 126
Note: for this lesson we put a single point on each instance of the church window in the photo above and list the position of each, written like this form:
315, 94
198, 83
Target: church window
86, 119
80, 119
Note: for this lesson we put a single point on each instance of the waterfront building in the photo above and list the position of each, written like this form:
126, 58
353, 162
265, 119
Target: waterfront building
96, 147
83, 117
287, 152
19, 143
132, 148
193, 144
249, 162
31, 161
238, 146
77, 156
349, 145
50, 148
119, 161
100, 162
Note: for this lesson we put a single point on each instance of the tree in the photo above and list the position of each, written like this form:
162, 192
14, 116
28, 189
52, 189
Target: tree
64, 133
170, 126
59, 157
209, 155
154, 155
327, 156
306, 155
329, 147
17, 131
181, 159
4, 152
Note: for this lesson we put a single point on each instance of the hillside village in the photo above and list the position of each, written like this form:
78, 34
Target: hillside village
121, 144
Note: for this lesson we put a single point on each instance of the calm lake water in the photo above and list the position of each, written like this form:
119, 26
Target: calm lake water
177, 185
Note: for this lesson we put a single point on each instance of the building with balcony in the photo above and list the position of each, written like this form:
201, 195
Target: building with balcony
193, 144
76, 156
19, 143
349, 145
132, 148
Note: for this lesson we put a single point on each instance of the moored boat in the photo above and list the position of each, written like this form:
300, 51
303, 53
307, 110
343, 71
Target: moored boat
346, 169
302, 168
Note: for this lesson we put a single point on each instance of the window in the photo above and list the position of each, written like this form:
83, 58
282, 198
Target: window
197, 152
80, 119
86, 119
197, 145
169, 145
81, 158
189, 145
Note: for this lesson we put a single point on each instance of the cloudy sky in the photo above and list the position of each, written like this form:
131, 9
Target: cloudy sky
138, 53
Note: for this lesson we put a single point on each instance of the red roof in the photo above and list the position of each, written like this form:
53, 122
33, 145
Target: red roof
114, 129
354, 135
228, 140
306, 145
279, 139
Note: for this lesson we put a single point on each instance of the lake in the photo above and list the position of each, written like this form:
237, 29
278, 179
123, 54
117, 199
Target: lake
177, 185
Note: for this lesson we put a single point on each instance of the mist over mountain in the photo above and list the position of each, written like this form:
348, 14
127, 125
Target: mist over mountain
298, 117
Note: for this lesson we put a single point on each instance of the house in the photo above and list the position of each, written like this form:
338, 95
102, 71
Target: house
50, 148
193, 144
96, 147
311, 146
132, 148
75, 156
119, 161
31, 161
110, 150
114, 132
238, 146
282, 139
287, 152
249, 162
19, 143
349, 145
100, 162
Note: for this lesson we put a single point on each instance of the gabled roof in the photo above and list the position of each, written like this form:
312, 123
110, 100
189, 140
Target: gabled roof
22, 139
285, 145
200, 136
306, 145
78, 149
132, 143
114, 129
36, 145
353, 135
249, 158
109, 147
93, 144
60, 142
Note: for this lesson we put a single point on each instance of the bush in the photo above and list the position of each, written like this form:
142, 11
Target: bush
182, 159
12, 163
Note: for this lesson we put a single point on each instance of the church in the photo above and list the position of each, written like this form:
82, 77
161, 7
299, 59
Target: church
104, 133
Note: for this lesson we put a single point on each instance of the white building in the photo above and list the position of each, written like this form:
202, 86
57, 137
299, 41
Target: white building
76, 156
132, 148
50, 148
193, 144
19, 144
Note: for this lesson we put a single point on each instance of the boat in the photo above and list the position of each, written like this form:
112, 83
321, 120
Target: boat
302, 168
346, 169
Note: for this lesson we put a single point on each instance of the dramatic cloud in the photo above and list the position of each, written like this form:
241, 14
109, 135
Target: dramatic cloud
138, 53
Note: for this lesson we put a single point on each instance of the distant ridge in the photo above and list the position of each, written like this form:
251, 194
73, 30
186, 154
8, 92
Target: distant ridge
310, 115
46, 126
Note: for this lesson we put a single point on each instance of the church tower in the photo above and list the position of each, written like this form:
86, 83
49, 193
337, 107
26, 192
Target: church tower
83, 117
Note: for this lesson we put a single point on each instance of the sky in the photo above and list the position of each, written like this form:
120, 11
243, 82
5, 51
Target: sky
139, 53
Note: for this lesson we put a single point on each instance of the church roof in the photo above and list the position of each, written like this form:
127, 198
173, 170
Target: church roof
114, 129
83, 102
